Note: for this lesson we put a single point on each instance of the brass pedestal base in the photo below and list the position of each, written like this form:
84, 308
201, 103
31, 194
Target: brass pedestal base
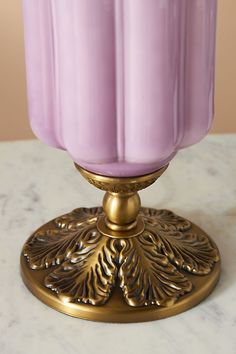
86, 265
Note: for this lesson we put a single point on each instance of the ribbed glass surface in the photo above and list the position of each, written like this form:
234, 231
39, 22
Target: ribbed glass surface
121, 85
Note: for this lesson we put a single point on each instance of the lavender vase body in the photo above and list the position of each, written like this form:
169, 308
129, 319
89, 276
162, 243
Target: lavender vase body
121, 85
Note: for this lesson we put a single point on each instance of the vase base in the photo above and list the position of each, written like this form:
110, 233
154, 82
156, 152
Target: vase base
117, 310
74, 269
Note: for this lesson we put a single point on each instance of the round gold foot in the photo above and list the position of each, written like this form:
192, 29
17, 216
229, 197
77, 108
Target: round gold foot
168, 268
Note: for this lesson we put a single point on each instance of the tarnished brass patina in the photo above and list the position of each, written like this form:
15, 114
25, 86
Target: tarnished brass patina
120, 263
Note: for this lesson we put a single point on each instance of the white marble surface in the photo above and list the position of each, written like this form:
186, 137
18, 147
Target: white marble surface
38, 183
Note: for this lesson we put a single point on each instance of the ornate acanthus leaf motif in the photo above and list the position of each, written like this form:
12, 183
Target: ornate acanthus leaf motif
50, 247
189, 251
78, 217
147, 277
86, 265
90, 274
165, 220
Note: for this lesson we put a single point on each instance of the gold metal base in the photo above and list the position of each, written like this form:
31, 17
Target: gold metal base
87, 265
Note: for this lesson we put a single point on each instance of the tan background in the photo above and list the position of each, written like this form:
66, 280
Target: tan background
13, 109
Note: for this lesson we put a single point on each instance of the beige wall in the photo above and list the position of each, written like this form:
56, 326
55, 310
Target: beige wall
225, 119
13, 110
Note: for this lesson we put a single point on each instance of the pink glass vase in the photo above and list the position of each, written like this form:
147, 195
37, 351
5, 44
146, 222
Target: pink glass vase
122, 85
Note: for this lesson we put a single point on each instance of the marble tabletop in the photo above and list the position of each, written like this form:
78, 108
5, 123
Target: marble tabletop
38, 183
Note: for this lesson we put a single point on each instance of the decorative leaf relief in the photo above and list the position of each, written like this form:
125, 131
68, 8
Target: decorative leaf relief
86, 263
165, 220
189, 251
147, 277
78, 217
90, 274
50, 247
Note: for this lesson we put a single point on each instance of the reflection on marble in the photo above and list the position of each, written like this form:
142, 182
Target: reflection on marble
38, 183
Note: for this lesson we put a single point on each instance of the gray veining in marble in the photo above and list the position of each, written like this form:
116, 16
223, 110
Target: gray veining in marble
38, 183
